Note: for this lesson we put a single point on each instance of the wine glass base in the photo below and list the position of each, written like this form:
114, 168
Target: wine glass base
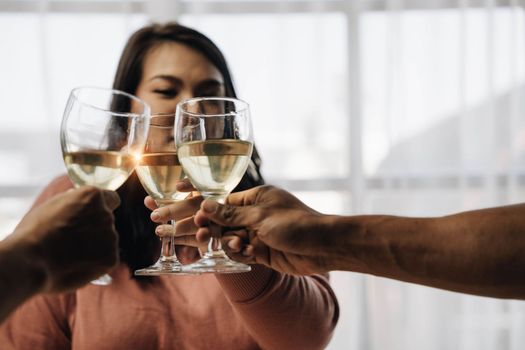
216, 262
104, 280
166, 267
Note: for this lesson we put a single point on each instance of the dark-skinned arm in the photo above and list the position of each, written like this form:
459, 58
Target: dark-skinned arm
478, 252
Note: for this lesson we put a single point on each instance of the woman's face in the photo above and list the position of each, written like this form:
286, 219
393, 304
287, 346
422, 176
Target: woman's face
173, 72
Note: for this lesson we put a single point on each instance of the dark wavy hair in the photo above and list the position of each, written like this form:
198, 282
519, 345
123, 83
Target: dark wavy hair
138, 243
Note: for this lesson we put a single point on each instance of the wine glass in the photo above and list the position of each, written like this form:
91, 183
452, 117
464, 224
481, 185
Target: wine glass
159, 171
103, 134
215, 141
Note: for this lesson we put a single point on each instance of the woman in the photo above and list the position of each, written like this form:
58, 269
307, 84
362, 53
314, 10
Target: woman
163, 64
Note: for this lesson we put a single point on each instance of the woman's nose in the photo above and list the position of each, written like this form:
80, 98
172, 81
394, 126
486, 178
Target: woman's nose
185, 95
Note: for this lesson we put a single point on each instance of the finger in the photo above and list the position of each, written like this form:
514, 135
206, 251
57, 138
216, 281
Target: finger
111, 199
247, 197
185, 186
185, 227
235, 240
249, 250
164, 230
243, 258
182, 228
203, 234
241, 233
176, 211
190, 241
187, 241
229, 215
254, 254
150, 203
201, 219
232, 244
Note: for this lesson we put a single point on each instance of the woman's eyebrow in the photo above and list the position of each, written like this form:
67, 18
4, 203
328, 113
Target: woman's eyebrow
170, 78
210, 81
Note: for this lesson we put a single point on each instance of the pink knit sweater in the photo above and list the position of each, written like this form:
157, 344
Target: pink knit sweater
260, 309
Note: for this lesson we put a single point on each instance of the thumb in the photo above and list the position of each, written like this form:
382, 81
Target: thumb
111, 199
229, 215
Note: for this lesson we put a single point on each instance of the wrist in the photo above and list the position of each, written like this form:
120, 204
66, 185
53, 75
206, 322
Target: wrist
329, 247
345, 242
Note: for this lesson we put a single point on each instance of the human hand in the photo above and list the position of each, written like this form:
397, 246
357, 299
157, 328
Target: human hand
269, 226
182, 213
70, 239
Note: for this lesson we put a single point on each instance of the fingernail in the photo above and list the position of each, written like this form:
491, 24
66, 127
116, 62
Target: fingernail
245, 252
155, 216
209, 207
231, 245
159, 230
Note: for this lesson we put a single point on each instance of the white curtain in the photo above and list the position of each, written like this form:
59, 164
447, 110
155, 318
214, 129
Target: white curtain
410, 107
442, 103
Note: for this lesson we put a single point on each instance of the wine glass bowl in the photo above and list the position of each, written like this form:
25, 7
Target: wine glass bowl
101, 141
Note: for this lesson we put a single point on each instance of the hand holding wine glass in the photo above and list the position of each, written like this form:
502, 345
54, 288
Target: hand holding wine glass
215, 142
159, 171
103, 134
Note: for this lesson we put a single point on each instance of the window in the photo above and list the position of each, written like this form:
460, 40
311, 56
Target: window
407, 107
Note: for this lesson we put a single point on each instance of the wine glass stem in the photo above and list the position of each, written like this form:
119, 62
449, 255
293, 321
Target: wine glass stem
167, 250
168, 246
215, 245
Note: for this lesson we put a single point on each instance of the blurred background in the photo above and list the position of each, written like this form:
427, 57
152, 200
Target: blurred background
404, 107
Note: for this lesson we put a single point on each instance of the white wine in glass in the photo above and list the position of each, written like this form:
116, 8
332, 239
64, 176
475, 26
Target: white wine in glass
103, 134
159, 170
215, 144
217, 166
108, 170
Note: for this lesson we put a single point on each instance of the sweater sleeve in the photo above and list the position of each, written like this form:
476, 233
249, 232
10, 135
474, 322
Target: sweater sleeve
58, 185
283, 311
41, 323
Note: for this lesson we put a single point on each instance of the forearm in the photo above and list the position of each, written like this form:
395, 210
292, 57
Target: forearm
20, 277
272, 312
480, 252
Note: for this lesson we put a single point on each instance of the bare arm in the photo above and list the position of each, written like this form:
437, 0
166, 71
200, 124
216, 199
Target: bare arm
479, 252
